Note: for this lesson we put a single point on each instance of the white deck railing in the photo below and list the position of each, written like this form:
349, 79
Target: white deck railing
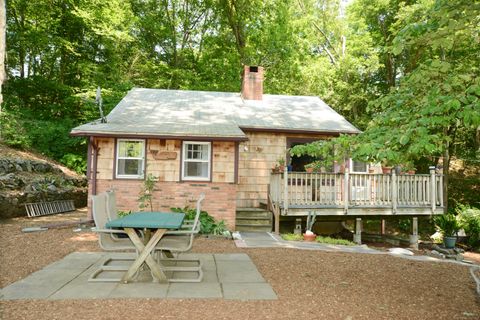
345, 190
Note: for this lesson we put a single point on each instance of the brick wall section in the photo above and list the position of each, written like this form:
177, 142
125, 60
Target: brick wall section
220, 194
219, 197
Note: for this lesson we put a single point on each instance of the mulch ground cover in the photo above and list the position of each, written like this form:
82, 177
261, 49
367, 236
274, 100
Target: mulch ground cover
309, 284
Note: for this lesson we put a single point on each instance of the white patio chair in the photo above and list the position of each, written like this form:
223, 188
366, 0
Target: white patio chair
112, 211
178, 241
108, 238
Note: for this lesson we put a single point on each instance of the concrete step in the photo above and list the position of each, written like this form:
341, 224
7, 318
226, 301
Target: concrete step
251, 210
261, 221
253, 219
253, 213
253, 228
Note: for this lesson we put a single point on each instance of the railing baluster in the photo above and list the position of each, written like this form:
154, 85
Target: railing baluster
345, 190
433, 198
305, 197
320, 189
335, 188
440, 189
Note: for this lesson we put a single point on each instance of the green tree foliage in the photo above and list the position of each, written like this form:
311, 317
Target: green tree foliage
405, 72
431, 110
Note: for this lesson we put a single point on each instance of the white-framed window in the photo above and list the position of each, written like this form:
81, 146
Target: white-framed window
196, 160
130, 162
358, 166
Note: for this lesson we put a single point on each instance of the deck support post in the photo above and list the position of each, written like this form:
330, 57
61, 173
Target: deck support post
382, 227
276, 213
285, 191
414, 235
357, 237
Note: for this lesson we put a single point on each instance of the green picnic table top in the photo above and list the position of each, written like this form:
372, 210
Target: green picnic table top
153, 220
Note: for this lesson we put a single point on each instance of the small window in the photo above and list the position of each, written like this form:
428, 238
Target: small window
130, 159
196, 161
358, 166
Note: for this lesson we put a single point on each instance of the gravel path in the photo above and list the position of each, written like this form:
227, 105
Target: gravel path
313, 284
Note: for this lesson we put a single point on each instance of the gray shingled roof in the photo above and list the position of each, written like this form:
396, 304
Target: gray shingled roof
157, 112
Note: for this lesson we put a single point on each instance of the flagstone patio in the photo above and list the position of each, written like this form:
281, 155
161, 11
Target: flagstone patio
226, 276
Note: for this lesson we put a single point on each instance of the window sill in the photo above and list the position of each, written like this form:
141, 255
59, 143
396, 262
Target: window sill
189, 179
129, 178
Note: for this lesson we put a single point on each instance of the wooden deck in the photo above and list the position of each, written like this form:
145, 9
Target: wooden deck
355, 194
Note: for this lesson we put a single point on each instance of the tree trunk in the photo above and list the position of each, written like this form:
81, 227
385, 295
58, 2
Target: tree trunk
232, 12
3, 22
390, 69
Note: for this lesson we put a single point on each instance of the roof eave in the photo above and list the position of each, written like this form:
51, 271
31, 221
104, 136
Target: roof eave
304, 131
156, 136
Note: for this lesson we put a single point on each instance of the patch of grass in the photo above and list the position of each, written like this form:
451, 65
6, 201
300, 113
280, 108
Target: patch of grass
292, 237
329, 240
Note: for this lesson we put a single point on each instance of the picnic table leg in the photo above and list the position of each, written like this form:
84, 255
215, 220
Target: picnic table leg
145, 256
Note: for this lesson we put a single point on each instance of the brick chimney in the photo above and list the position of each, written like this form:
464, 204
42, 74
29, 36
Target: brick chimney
252, 83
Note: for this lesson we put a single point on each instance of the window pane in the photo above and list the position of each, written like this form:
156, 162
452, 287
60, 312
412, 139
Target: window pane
130, 149
359, 166
196, 169
197, 151
130, 167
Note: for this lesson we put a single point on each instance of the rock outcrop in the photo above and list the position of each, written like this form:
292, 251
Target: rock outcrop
28, 180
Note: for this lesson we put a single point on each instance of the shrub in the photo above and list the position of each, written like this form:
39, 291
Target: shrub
219, 228
207, 222
74, 162
469, 219
329, 240
447, 224
12, 132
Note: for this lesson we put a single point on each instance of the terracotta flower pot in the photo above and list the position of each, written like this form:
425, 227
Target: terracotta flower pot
309, 237
309, 170
387, 170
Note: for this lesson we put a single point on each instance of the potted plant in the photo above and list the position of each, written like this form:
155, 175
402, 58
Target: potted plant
386, 170
408, 168
309, 236
279, 166
448, 225
309, 167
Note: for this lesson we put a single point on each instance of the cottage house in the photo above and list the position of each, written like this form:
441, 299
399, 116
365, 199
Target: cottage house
224, 145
